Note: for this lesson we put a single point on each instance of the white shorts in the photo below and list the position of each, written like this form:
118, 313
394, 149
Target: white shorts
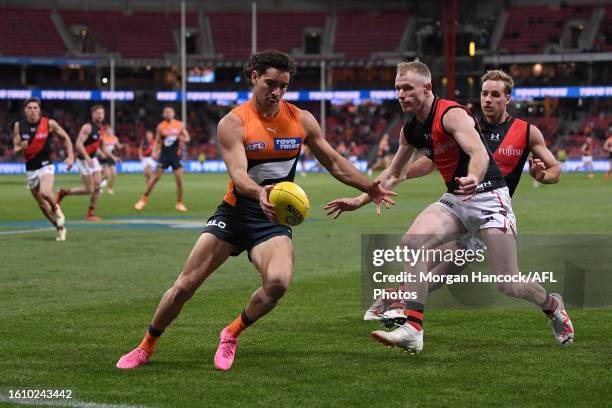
34, 175
148, 161
587, 159
86, 170
491, 209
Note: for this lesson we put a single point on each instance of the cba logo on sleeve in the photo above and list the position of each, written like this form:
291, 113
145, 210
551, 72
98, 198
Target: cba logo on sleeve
287, 143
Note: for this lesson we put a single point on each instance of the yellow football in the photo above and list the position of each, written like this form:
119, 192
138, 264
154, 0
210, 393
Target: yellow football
290, 202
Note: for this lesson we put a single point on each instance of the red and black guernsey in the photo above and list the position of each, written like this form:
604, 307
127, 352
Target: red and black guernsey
37, 135
440, 146
93, 140
147, 149
509, 142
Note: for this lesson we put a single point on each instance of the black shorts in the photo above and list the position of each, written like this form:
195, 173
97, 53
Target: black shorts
107, 161
243, 226
167, 160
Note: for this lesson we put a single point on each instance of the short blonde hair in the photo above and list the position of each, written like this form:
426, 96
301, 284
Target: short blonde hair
499, 75
415, 67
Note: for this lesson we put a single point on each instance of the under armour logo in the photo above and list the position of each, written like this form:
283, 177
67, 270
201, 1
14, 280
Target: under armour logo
427, 136
494, 136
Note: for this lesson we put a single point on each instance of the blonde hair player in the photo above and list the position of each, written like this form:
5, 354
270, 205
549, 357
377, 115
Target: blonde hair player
477, 200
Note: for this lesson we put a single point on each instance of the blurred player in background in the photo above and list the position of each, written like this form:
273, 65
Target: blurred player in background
33, 136
383, 155
587, 156
89, 145
478, 198
109, 163
608, 149
169, 137
145, 154
260, 141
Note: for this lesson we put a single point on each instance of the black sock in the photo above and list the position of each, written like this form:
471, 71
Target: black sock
154, 332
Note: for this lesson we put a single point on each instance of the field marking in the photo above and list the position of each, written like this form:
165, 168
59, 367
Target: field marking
28, 231
65, 403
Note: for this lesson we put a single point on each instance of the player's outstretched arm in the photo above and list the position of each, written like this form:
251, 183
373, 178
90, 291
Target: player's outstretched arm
339, 167
230, 134
58, 130
461, 125
407, 163
543, 167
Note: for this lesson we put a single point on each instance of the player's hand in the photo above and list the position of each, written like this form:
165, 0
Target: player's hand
468, 185
23, 145
89, 162
336, 207
537, 169
266, 205
69, 162
380, 195
155, 156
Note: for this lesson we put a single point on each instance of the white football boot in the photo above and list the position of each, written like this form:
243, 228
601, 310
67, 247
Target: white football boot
61, 234
561, 323
406, 337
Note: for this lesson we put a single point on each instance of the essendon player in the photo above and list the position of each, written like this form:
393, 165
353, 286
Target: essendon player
587, 156
145, 152
608, 149
32, 136
170, 137
477, 200
88, 146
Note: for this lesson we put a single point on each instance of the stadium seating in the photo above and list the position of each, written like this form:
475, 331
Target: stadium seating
283, 31
530, 29
29, 32
360, 34
137, 35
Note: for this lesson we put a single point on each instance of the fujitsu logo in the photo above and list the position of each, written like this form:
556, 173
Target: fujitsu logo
510, 151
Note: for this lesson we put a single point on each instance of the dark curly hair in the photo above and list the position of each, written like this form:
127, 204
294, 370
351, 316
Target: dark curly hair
263, 60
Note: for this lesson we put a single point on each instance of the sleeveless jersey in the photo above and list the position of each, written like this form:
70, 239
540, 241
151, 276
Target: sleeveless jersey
93, 140
509, 142
170, 133
147, 148
442, 148
272, 147
37, 135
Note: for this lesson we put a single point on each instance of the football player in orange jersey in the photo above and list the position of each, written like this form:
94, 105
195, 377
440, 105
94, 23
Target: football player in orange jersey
169, 138
260, 141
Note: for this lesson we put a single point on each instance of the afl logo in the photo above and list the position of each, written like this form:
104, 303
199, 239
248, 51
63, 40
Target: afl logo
254, 146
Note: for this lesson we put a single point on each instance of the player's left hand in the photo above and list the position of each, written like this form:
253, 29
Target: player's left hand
265, 204
69, 162
380, 195
468, 185
537, 169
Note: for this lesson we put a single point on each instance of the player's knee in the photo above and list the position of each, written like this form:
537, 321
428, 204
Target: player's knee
276, 288
414, 240
183, 290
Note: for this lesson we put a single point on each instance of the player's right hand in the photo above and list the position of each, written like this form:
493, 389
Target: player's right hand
69, 162
380, 195
336, 207
24, 145
266, 205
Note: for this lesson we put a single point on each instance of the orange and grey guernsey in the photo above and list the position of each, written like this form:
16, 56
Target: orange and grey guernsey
272, 146
170, 133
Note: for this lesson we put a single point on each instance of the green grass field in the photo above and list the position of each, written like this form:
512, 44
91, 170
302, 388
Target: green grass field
71, 309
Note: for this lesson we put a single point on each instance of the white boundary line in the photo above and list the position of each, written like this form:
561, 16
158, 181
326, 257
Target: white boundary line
72, 403
28, 231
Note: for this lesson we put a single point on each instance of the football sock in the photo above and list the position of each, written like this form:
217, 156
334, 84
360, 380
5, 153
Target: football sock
90, 210
550, 305
239, 324
414, 314
149, 342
